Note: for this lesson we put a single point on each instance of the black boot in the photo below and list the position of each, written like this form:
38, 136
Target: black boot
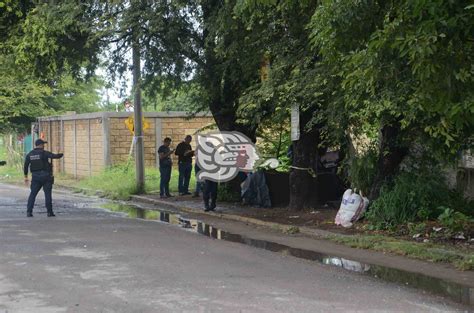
212, 207
29, 214
51, 214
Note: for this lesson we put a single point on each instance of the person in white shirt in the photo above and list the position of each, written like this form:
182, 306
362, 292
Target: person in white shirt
128, 106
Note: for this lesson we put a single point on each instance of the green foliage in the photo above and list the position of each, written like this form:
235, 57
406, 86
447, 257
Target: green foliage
412, 197
31, 84
362, 169
454, 221
22, 96
118, 182
227, 193
416, 228
74, 95
11, 171
403, 62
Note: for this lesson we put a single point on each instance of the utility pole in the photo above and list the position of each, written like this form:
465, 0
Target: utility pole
138, 127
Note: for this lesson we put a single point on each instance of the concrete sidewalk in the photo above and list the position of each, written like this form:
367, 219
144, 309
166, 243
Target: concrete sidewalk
241, 220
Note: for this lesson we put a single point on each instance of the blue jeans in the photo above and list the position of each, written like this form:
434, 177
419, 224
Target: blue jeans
40, 180
185, 169
165, 176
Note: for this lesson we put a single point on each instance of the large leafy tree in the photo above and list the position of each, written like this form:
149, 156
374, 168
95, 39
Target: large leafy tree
30, 86
405, 69
181, 42
295, 78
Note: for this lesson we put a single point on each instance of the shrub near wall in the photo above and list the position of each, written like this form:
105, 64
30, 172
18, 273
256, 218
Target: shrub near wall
414, 197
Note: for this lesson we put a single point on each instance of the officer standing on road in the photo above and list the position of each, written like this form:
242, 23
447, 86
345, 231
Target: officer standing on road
37, 161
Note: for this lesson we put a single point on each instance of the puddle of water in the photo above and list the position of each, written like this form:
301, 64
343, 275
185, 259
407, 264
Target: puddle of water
454, 291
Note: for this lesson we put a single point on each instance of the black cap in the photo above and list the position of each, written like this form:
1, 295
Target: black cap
40, 142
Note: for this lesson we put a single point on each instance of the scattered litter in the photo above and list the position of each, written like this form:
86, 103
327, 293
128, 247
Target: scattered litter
416, 236
115, 230
294, 216
460, 236
437, 229
314, 212
426, 240
85, 246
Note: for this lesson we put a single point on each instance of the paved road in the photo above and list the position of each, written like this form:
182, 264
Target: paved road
90, 260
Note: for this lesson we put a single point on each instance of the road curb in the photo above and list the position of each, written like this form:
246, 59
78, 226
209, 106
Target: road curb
287, 229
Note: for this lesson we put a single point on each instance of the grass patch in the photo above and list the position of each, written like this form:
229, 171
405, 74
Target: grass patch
9, 173
118, 182
462, 260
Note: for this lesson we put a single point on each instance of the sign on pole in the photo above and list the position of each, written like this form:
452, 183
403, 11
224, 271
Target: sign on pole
295, 122
130, 123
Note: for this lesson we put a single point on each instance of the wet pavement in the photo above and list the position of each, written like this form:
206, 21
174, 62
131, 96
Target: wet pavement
88, 259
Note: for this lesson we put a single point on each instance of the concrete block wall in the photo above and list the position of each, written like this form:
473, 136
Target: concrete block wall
160, 127
121, 141
91, 142
50, 132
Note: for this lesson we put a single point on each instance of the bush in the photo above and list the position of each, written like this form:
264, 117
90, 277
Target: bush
362, 170
228, 192
454, 221
413, 197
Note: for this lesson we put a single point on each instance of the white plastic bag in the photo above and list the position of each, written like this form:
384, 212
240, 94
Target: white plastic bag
353, 205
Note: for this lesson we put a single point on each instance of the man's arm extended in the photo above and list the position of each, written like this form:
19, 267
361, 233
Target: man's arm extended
51, 155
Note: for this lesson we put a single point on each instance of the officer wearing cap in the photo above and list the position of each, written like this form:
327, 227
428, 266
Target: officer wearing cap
37, 161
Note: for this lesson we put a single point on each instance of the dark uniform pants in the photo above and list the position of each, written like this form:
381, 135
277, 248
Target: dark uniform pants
41, 180
185, 169
165, 176
210, 193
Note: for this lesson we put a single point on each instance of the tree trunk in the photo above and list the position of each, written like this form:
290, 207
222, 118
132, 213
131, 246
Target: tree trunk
303, 191
391, 154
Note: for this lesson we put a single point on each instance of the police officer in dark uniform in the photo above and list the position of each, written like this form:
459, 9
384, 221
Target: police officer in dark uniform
37, 161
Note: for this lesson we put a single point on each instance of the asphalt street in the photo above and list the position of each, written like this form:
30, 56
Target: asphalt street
88, 259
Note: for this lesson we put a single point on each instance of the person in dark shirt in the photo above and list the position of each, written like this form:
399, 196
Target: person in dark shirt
185, 158
37, 161
2, 163
166, 164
